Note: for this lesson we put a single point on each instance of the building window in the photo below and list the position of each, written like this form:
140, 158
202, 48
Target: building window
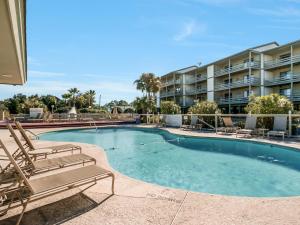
285, 75
285, 92
226, 81
226, 95
247, 93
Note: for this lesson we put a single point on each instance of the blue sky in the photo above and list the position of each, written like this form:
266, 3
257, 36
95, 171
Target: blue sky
106, 45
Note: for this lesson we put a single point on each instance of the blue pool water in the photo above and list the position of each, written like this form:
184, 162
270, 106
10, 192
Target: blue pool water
217, 166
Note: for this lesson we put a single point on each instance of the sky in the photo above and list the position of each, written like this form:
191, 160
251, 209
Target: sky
106, 45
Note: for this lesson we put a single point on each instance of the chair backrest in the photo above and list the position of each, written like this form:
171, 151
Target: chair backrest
194, 120
280, 123
227, 121
251, 122
21, 147
16, 166
24, 135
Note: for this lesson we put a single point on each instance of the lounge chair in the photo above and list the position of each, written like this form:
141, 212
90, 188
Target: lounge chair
192, 125
28, 160
250, 126
49, 149
279, 127
229, 127
29, 190
162, 121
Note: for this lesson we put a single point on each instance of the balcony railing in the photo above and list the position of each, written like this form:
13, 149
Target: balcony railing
196, 91
254, 81
197, 79
202, 78
236, 68
295, 97
233, 100
167, 94
281, 62
169, 83
283, 80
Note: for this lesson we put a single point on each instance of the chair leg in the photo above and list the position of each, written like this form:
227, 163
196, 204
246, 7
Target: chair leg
23, 211
113, 184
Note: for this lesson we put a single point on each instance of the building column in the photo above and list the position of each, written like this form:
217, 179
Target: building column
210, 83
262, 76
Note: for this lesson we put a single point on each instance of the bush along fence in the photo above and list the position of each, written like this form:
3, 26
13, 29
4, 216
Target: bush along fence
211, 122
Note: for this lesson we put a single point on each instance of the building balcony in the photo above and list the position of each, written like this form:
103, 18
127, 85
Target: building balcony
237, 68
196, 91
294, 97
233, 100
277, 80
170, 83
197, 79
167, 94
253, 81
281, 62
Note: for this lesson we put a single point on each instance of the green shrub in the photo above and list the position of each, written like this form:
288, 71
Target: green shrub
205, 107
269, 104
169, 107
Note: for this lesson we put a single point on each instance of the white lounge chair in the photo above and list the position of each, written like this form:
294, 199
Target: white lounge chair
279, 127
250, 126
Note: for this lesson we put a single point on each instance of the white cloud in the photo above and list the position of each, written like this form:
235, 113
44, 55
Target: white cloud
33, 61
188, 29
43, 74
222, 3
278, 12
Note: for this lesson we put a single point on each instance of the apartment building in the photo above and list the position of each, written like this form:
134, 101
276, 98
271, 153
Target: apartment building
261, 70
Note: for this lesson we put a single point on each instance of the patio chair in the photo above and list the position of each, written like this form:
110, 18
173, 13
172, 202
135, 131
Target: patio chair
193, 125
162, 121
48, 149
279, 127
250, 126
29, 190
229, 127
33, 166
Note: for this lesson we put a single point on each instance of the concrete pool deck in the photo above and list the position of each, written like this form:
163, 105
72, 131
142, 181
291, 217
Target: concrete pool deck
137, 202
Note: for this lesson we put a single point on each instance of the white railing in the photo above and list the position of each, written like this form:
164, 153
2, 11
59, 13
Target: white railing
236, 68
233, 100
283, 80
167, 94
172, 82
195, 91
281, 62
238, 83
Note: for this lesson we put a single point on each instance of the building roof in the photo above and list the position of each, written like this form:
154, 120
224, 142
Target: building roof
13, 54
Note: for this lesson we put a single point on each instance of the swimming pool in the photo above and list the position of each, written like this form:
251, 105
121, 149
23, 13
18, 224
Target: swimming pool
210, 165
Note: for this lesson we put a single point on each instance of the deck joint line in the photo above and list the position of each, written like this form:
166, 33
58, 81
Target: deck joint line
181, 204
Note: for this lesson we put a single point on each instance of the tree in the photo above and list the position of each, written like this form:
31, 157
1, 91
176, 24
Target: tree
74, 93
148, 83
143, 105
49, 100
90, 95
269, 104
205, 107
67, 97
169, 107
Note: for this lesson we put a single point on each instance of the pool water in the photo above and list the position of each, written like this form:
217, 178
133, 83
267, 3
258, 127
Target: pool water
211, 165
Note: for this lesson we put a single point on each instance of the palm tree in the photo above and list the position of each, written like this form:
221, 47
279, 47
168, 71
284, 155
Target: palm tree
91, 96
73, 92
67, 97
148, 83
